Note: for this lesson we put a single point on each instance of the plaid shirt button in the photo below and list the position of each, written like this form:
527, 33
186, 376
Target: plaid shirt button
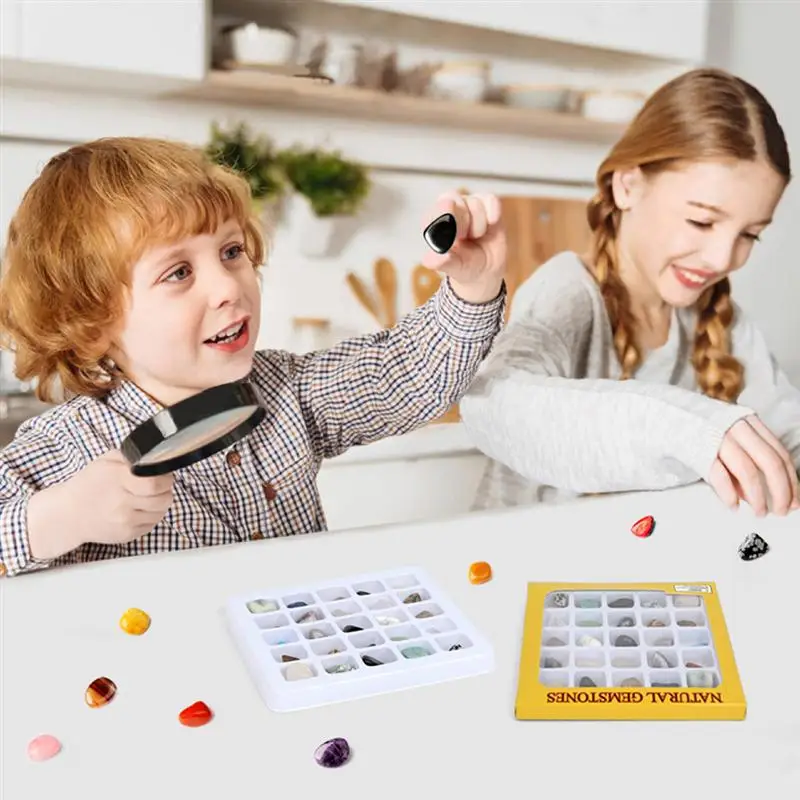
258, 535
270, 492
233, 459
2, 569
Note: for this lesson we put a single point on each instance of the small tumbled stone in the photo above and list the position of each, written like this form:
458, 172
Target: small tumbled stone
588, 641
663, 685
586, 682
298, 671
693, 665
415, 652
195, 715
455, 647
625, 641
134, 621
626, 622
643, 527
286, 659
631, 682
370, 661
298, 604
656, 623
560, 600
588, 603
316, 633
43, 747
621, 602
480, 572
551, 663
341, 668
753, 547
362, 593
100, 692
553, 642
589, 623
333, 753
351, 629
686, 623
338, 612
414, 597
422, 615
261, 606
660, 661
310, 616
652, 603
700, 680
389, 620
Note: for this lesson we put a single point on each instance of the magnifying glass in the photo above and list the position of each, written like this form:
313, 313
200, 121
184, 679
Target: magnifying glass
194, 429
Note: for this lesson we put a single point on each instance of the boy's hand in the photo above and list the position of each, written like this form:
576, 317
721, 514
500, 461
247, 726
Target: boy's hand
476, 263
102, 503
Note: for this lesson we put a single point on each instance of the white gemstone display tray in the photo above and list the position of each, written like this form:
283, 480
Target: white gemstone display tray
378, 604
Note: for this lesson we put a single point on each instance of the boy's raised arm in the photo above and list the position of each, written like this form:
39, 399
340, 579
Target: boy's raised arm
371, 387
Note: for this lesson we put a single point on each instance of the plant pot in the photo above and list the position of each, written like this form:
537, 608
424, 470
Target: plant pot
313, 234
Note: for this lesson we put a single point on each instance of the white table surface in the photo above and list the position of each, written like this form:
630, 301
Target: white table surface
459, 739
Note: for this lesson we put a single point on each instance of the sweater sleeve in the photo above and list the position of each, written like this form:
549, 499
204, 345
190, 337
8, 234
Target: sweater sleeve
530, 408
767, 388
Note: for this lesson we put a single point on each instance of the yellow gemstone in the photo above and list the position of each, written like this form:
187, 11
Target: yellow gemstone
134, 621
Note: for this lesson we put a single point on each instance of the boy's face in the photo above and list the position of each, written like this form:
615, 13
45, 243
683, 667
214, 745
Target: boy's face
183, 296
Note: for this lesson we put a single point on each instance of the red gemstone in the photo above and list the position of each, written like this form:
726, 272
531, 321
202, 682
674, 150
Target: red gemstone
643, 527
195, 715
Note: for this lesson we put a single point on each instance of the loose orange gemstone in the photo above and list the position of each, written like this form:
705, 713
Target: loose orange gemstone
480, 572
134, 621
195, 715
100, 692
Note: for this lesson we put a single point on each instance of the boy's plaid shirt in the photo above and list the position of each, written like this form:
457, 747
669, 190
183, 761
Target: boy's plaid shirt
318, 405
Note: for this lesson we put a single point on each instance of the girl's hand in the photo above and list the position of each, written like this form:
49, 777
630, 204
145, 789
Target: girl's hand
753, 465
476, 263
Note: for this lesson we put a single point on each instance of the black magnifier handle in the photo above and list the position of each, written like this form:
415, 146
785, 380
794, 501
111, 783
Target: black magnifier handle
441, 233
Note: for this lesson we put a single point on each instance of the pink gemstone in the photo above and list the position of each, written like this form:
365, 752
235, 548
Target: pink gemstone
43, 747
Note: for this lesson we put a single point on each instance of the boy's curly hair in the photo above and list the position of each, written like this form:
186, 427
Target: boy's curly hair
702, 114
81, 226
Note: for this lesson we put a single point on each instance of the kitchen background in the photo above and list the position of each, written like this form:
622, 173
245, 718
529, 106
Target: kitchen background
521, 99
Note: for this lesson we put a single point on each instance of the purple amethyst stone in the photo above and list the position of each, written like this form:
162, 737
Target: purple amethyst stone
332, 753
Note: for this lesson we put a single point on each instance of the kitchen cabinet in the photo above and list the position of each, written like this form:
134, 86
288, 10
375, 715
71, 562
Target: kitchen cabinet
664, 30
164, 40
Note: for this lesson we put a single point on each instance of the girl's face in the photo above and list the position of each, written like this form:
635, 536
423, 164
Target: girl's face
193, 316
683, 230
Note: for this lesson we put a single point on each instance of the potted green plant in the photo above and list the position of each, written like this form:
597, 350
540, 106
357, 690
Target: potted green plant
255, 157
327, 187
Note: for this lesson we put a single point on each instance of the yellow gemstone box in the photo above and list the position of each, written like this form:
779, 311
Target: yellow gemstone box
627, 651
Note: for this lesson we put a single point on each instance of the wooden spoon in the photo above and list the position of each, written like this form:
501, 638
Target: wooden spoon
386, 282
424, 283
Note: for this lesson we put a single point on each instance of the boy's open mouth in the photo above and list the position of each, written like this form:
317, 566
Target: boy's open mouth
232, 338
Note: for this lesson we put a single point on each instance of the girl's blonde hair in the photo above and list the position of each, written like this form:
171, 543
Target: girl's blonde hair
80, 228
703, 114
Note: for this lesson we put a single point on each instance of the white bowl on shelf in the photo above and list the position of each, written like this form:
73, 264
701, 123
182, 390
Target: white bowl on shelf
253, 44
461, 80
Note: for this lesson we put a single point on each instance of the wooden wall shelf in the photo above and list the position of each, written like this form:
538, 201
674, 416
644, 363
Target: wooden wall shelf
254, 88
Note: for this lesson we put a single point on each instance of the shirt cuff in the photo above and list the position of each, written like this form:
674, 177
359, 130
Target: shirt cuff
468, 322
15, 551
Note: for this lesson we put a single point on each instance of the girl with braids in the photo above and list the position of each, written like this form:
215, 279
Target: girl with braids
630, 367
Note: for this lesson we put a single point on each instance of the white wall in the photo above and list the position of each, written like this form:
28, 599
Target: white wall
757, 39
